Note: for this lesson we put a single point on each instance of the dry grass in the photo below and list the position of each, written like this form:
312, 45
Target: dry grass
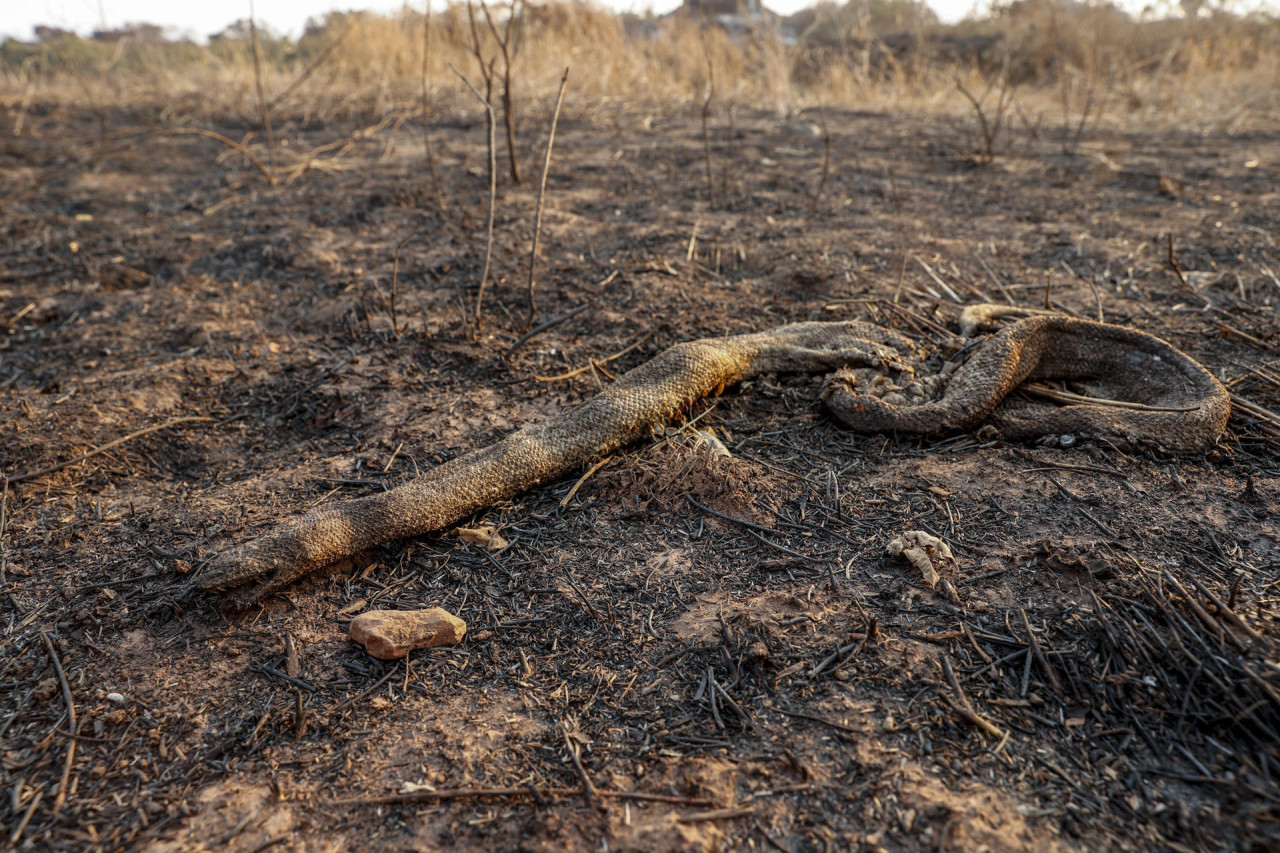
1218, 70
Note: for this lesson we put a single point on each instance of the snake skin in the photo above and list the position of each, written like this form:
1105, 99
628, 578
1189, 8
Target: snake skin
639, 401
1193, 409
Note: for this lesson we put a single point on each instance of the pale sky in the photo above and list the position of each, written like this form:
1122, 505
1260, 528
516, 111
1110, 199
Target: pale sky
201, 19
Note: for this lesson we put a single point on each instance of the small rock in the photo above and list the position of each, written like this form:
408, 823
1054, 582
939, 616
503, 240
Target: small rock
115, 697
392, 634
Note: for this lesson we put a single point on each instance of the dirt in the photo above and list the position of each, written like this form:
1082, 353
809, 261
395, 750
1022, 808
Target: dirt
782, 683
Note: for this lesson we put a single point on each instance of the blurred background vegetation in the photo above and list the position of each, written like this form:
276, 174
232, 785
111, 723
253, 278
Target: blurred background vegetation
1195, 61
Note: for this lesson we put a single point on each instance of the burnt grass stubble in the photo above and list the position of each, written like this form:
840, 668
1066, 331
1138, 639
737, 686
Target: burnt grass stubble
780, 683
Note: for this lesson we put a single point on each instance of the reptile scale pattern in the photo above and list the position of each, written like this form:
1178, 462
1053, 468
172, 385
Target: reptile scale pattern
1186, 409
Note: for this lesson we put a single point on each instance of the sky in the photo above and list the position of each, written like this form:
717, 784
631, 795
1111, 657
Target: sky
199, 20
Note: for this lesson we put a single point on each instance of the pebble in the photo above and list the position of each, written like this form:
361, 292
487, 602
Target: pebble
392, 634
115, 697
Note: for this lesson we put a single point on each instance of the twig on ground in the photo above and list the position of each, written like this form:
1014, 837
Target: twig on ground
1265, 416
718, 814
31, 475
961, 705
840, 727
26, 817
1226, 611
749, 524
841, 654
542, 327
1245, 336
1050, 673
72, 724
594, 468
542, 190
200, 131
1004, 291
363, 693
1203, 615
589, 792
595, 362
1038, 389
938, 280
530, 791
4, 521
304, 162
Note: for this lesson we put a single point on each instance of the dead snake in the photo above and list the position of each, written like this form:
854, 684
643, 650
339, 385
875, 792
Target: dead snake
1181, 408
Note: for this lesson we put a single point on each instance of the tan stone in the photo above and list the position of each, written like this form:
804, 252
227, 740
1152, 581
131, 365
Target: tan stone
392, 634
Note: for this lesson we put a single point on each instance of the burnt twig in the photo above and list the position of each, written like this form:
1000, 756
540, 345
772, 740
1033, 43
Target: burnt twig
542, 190
505, 793
72, 724
960, 704
542, 327
589, 791
1050, 674
493, 192
31, 475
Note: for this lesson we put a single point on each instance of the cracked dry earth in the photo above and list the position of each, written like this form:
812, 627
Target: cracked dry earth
723, 643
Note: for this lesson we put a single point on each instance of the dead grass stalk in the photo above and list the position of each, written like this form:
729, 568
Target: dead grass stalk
542, 191
493, 195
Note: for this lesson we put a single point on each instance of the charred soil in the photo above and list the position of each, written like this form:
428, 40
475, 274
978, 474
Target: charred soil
720, 645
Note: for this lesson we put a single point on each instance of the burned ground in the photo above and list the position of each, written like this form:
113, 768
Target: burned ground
776, 684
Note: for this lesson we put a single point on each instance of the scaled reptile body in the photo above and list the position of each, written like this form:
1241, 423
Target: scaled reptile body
1183, 408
